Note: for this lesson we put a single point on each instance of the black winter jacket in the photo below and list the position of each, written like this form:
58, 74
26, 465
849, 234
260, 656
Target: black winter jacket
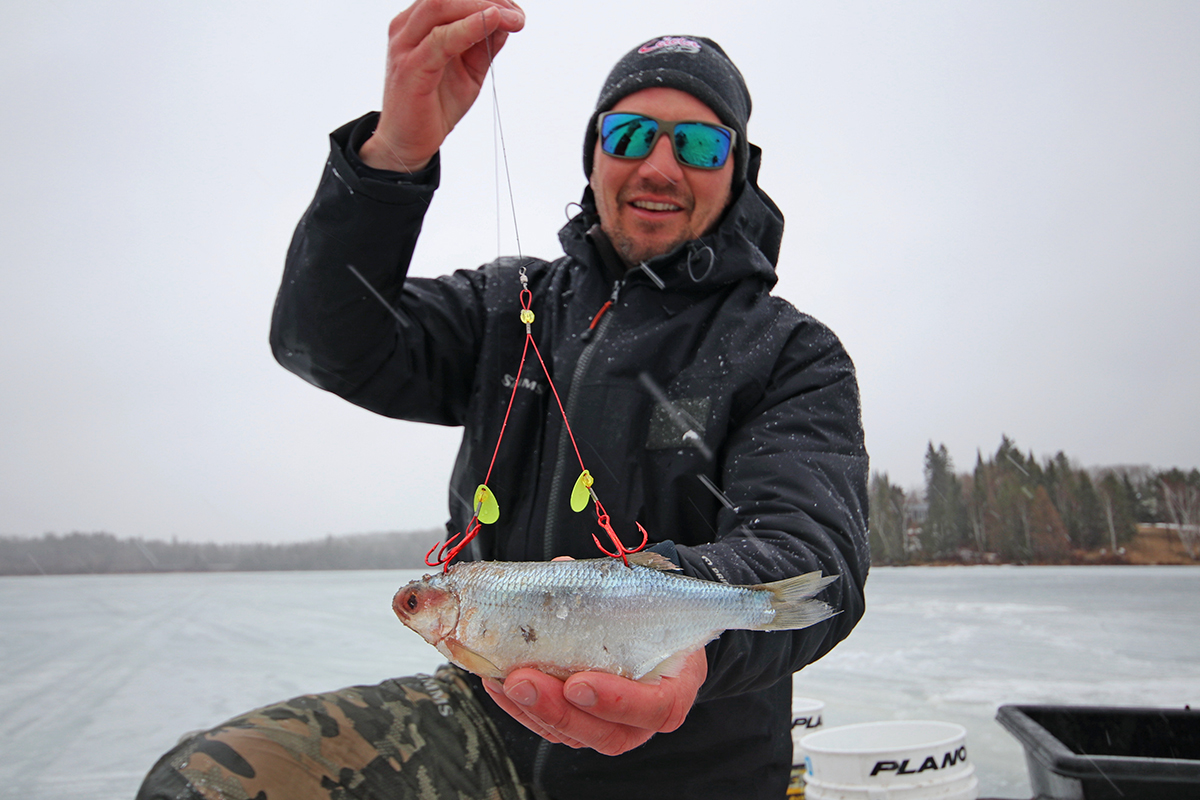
771, 390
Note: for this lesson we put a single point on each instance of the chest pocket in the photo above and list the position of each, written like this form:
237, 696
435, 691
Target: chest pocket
682, 426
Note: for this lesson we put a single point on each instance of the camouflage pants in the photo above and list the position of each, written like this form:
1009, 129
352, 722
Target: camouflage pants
420, 737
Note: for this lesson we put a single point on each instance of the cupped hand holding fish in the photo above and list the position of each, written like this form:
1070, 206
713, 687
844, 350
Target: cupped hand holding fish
607, 713
439, 52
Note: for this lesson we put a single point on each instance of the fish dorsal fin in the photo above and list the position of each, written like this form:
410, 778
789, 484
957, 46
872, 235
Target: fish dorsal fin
653, 560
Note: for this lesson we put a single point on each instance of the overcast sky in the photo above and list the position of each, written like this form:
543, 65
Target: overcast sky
996, 205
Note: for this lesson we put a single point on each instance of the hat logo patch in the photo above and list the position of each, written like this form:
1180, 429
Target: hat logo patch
671, 44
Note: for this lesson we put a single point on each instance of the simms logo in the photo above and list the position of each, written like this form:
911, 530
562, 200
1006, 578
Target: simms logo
671, 44
526, 383
436, 694
901, 767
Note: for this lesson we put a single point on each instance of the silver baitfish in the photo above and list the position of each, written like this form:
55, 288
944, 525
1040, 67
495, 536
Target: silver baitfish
563, 617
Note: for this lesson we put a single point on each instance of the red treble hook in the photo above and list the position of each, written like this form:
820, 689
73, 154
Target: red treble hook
449, 549
619, 550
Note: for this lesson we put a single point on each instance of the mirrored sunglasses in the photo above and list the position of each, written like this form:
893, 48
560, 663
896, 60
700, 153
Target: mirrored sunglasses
703, 145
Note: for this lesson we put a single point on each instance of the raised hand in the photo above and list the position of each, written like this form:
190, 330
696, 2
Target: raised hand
439, 52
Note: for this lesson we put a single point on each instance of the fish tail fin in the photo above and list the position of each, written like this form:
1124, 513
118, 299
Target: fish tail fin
793, 603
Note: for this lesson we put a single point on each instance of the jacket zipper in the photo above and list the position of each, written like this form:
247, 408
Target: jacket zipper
581, 366
585, 358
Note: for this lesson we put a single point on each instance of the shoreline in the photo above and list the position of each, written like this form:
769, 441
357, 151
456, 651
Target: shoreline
1151, 546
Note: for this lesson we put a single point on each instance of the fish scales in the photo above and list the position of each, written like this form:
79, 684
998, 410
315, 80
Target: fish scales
602, 615
593, 615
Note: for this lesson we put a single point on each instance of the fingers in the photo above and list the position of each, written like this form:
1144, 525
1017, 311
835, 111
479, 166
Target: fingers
605, 712
439, 52
454, 25
428, 59
660, 707
518, 712
536, 701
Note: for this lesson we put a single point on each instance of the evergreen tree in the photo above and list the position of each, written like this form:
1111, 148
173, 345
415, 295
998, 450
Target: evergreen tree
1092, 523
1048, 538
976, 495
945, 527
1118, 503
1011, 502
887, 521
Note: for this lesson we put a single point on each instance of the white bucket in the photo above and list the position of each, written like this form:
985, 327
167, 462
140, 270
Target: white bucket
902, 760
806, 718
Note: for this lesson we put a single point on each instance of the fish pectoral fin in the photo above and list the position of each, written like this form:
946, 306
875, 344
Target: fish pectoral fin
653, 560
672, 665
469, 660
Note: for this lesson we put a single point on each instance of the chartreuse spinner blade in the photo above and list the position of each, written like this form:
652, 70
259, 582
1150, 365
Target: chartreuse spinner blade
581, 492
486, 507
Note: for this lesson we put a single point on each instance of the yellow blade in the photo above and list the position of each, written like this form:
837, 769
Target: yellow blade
580, 494
488, 510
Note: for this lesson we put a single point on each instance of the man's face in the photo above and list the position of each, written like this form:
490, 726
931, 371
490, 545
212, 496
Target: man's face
649, 207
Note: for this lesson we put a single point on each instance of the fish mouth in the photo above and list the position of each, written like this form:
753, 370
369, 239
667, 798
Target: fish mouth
430, 611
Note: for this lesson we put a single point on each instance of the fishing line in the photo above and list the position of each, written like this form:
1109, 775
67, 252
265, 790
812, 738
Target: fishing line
485, 507
498, 128
395, 155
495, 153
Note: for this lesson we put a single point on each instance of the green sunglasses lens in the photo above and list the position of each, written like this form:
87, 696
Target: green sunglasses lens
697, 144
627, 135
701, 145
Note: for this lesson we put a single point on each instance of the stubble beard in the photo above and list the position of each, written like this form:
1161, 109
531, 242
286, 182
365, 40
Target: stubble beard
634, 252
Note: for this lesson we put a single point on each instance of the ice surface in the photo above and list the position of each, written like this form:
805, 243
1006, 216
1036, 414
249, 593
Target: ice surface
99, 675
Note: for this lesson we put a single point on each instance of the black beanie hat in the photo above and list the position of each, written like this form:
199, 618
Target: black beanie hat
690, 64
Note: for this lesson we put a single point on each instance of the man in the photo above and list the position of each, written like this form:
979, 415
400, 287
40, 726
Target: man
752, 470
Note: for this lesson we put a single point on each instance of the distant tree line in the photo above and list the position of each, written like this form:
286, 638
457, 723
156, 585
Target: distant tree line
1014, 509
1010, 509
82, 553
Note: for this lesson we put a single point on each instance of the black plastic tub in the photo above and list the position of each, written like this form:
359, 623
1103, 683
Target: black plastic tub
1102, 753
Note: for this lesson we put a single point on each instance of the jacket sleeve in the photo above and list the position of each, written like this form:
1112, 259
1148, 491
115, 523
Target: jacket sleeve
369, 344
795, 471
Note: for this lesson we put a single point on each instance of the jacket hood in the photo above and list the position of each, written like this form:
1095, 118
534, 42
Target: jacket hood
744, 244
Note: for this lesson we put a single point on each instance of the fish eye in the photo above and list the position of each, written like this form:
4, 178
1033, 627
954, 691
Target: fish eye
411, 602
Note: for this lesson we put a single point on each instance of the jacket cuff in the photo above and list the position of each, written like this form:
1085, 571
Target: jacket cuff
666, 548
378, 184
